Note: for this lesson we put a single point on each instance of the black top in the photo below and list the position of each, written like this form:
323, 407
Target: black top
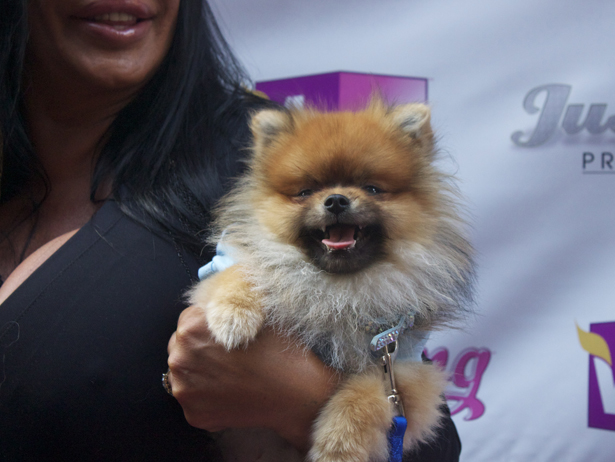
83, 347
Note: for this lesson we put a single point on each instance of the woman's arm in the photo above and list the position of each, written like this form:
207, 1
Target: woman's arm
272, 383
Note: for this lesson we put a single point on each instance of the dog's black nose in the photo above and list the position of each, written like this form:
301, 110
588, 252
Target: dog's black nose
336, 203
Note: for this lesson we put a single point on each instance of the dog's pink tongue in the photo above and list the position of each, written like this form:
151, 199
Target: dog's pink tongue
340, 237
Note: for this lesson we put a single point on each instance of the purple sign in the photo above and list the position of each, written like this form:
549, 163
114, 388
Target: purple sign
601, 408
344, 91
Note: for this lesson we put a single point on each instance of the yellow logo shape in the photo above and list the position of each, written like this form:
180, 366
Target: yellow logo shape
595, 345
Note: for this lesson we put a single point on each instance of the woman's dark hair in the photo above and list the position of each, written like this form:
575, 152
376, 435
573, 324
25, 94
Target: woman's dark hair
172, 151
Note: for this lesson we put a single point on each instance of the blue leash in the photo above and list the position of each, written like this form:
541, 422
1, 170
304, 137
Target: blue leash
396, 438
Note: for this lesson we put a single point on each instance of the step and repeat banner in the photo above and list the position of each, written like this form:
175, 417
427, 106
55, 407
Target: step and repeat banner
523, 101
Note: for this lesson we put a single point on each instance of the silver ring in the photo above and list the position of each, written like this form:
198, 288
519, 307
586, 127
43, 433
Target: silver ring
165, 382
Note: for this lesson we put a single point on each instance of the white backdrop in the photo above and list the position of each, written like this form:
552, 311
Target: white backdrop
544, 224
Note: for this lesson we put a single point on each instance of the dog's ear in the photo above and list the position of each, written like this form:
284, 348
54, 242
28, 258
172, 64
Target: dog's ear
412, 119
269, 124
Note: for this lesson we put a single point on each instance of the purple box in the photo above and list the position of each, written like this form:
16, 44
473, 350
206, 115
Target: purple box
344, 91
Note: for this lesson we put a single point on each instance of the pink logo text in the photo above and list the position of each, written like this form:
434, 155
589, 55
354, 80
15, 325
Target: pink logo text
466, 374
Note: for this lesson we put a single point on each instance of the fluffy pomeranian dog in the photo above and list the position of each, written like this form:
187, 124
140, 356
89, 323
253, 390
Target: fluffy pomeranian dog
343, 222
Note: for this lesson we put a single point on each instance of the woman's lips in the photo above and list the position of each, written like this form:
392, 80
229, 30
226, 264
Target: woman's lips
116, 33
115, 23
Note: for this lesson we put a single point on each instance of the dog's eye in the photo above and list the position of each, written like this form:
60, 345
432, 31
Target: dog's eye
372, 189
305, 193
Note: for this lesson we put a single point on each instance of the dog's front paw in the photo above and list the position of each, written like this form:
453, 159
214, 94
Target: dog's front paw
233, 310
231, 325
353, 425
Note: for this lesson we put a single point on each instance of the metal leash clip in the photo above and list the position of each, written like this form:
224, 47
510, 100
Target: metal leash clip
393, 395
385, 345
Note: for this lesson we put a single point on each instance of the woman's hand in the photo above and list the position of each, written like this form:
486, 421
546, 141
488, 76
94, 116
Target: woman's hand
272, 383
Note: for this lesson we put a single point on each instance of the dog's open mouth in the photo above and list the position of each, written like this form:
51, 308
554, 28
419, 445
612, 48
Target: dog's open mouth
343, 248
341, 237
